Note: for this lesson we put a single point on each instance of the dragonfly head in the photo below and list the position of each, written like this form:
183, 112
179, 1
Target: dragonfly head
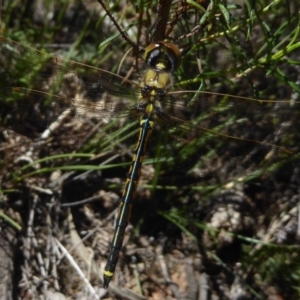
162, 56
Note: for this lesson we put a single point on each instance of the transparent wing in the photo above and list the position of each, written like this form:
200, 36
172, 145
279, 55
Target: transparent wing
42, 90
228, 135
199, 130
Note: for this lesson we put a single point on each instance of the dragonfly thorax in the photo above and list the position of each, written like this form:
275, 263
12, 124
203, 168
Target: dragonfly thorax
155, 83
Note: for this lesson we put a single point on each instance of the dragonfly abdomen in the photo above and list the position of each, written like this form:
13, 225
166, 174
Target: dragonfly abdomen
127, 199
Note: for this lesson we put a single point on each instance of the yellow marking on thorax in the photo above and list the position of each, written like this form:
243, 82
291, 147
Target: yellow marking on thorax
157, 78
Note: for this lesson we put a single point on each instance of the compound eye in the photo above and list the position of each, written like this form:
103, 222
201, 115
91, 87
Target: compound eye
164, 52
150, 48
171, 48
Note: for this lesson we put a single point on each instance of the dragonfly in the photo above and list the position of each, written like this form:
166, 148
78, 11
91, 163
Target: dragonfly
183, 127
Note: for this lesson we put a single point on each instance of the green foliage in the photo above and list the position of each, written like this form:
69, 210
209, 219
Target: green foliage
250, 50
